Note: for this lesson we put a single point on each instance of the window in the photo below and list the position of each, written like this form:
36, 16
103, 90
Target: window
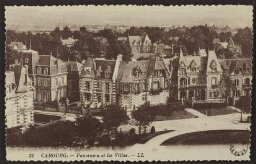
193, 69
37, 81
137, 88
193, 80
236, 82
45, 82
144, 86
87, 85
98, 85
107, 97
144, 98
87, 72
62, 80
107, 74
107, 87
236, 71
126, 87
214, 81
182, 71
26, 60
46, 71
247, 81
39, 70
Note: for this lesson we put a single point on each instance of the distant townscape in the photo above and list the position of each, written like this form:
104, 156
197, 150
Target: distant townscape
142, 74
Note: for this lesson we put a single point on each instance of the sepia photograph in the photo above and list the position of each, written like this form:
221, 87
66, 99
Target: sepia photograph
128, 83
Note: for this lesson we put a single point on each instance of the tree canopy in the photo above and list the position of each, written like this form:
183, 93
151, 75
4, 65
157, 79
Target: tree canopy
113, 116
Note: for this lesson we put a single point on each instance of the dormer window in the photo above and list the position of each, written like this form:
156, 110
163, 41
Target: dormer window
245, 68
99, 71
107, 74
26, 60
46, 71
39, 70
136, 71
182, 64
193, 69
236, 71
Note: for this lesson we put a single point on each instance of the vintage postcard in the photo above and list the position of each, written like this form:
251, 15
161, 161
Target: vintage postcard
128, 83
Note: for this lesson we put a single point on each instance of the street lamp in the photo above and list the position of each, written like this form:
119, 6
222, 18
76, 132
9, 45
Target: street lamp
58, 102
67, 102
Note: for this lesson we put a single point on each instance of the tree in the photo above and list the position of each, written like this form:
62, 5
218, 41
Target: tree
225, 87
113, 116
244, 37
88, 127
66, 33
143, 116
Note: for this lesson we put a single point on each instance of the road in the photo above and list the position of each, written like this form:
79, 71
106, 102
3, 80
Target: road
228, 120
192, 152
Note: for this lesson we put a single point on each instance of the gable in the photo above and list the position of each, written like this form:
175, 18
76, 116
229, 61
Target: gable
193, 63
213, 64
182, 64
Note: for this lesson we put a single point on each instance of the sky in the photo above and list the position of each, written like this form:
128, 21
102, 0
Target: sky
225, 15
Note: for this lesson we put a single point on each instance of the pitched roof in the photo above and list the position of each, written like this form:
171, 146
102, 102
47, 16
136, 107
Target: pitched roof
48, 60
216, 40
231, 42
74, 66
105, 65
133, 39
224, 44
239, 63
129, 68
19, 45
212, 57
20, 75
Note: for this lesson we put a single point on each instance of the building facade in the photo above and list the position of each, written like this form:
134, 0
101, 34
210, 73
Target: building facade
198, 76
51, 79
143, 81
240, 73
140, 44
74, 71
19, 97
97, 82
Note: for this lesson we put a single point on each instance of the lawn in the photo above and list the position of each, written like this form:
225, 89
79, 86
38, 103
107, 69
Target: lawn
176, 115
217, 111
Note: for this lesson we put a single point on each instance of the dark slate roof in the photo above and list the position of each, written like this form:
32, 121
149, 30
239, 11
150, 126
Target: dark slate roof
74, 66
19, 74
239, 63
48, 60
18, 44
105, 64
136, 39
129, 68
122, 66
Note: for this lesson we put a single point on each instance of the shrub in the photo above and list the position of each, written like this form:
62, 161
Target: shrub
132, 132
153, 130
